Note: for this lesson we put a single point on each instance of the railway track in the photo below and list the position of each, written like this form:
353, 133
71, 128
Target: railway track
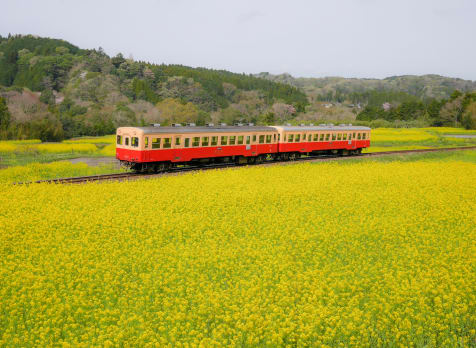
177, 170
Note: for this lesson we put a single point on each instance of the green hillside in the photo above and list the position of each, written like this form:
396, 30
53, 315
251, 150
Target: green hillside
51, 89
54, 89
394, 101
357, 90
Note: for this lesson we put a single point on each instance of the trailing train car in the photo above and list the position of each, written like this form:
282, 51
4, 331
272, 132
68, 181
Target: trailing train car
158, 148
344, 139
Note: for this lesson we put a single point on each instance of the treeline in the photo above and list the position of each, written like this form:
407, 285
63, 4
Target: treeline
458, 110
99, 89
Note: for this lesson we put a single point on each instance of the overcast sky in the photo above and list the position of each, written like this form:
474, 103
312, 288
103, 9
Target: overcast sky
350, 38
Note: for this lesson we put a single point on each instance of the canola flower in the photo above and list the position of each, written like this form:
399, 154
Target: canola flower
20, 146
108, 150
106, 139
331, 254
60, 169
401, 135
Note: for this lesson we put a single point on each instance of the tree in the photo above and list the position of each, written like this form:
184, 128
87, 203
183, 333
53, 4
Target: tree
47, 97
456, 94
469, 116
451, 111
173, 111
5, 116
118, 60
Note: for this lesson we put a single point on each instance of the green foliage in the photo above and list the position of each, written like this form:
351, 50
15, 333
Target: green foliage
10, 65
47, 97
469, 116
142, 90
437, 112
47, 129
212, 82
5, 116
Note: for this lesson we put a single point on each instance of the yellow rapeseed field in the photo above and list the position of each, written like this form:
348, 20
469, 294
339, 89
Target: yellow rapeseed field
402, 134
334, 254
54, 170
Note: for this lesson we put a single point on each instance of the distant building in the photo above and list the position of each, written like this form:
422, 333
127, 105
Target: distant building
386, 106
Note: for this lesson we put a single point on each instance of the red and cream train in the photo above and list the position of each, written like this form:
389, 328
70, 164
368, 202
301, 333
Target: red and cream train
158, 148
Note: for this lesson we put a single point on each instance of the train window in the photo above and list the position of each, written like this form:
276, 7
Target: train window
274, 138
254, 138
177, 141
156, 143
268, 139
350, 136
196, 141
334, 136
261, 139
298, 138
214, 141
248, 139
204, 141
291, 138
358, 136
224, 141
187, 142
232, 139
135, 142
315, 137
353, 136
279, 137
167, 143
146, 142
339, 136
344, 136
364, 135
303, 136
126, 141
328, 136
240, 139
119, 140
321, 138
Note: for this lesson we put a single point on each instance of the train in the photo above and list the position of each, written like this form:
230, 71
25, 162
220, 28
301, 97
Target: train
156, 148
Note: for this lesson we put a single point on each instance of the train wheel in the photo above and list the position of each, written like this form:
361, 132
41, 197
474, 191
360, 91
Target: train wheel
259, 159
284, 156
292, 156
251, 160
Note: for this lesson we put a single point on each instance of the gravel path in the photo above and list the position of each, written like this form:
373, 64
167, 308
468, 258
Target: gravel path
96, 161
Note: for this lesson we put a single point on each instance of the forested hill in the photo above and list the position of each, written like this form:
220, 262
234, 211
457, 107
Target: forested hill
357, 90
51, 89
54, 89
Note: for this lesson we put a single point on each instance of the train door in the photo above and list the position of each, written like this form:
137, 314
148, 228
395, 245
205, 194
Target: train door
146, 149
252, 147
177, 141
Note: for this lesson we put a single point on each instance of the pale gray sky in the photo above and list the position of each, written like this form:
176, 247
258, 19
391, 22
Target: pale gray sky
351, 38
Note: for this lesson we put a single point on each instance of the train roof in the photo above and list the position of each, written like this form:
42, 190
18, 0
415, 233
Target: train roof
321, 128
194, 129
238, 129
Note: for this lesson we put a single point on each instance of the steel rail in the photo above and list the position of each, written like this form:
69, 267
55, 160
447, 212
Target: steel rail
177, 170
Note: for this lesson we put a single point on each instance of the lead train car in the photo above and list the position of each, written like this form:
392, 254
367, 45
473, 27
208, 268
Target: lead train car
159, 148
